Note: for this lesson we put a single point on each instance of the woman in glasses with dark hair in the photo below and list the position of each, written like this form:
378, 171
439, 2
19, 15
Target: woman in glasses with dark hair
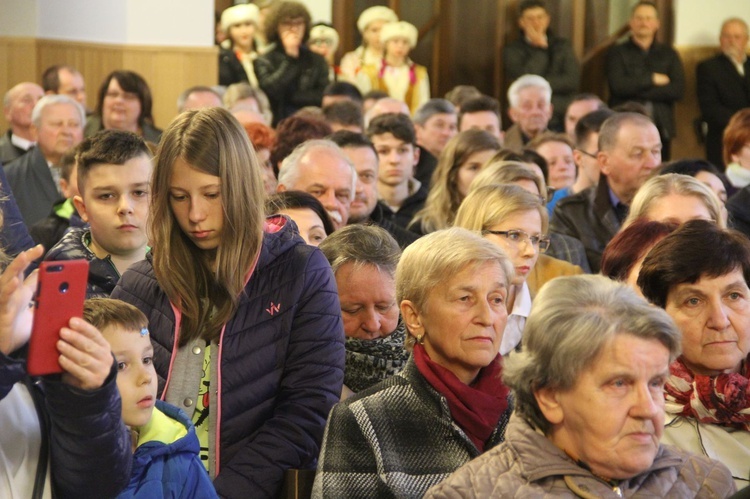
515, 220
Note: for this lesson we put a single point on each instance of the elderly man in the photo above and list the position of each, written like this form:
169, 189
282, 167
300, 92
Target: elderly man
723, 84
530, 99
197, 98
320, 168
481, 113
629, 150
365, 207
64, 80
539, 52
34, 178
435, 122
18, 103
643, 70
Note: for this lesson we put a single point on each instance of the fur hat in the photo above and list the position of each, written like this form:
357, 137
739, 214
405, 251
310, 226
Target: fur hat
321, 31
238, 14
399, 29
373, 14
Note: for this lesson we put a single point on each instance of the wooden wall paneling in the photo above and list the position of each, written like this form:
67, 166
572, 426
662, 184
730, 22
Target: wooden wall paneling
169, 71
19, 65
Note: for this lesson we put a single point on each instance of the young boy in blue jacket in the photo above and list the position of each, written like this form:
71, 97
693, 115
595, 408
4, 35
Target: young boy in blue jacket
166, 462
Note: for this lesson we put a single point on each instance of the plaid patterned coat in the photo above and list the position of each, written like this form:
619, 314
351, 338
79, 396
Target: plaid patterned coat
396, 439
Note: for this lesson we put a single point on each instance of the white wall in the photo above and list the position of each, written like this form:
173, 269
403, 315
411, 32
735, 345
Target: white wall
131, 22
18, 18
698, 22
320, 10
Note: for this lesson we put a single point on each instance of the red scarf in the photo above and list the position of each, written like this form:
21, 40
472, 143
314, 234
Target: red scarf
476, 408
722, 399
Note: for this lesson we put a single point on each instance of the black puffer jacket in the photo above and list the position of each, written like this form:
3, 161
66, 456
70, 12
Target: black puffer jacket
103, 275
282, 361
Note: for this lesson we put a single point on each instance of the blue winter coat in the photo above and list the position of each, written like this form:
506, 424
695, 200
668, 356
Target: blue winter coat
171, 470
89, 446
282, 364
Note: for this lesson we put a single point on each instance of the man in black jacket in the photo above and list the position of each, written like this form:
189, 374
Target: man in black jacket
643, 70
723, 84
540, 52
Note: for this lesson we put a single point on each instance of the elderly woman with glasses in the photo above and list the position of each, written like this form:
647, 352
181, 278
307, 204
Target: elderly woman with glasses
699, 274
589, 405
515, 220
448, 405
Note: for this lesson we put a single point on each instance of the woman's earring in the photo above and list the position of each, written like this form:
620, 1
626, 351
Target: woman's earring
420, 339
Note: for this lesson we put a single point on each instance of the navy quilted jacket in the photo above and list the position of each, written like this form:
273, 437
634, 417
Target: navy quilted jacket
282, 364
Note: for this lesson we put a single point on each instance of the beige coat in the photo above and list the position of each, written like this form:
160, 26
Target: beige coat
528, 465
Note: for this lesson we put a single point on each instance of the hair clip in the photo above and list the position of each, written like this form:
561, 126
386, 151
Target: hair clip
144, 331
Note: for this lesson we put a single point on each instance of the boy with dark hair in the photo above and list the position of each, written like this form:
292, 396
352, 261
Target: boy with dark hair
166, 461
482, 113
114, 171
400, 193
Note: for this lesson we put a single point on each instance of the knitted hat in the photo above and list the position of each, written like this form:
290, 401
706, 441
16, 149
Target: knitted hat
373, 14
238, 14
399, 29
321, 31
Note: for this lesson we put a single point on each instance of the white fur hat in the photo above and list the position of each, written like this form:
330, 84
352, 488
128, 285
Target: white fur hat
373, 14
238, 14
321, 31
399, 29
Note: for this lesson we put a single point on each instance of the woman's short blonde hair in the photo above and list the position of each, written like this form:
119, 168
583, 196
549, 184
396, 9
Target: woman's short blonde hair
491, 204
433, 259
674, 183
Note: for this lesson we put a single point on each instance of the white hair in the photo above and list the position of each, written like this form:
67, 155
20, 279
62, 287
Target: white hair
289, 170
527, 81
51, 100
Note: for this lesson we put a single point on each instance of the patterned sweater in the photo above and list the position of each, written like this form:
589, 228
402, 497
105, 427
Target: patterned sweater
396, 439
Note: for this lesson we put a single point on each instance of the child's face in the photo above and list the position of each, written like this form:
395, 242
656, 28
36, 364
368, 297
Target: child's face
115, 202
398, 47
136, 376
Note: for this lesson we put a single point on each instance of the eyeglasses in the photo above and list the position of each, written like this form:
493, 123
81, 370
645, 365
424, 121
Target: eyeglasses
517, 236
589, 154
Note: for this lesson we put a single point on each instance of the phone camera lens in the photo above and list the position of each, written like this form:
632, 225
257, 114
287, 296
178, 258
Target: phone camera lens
64, 287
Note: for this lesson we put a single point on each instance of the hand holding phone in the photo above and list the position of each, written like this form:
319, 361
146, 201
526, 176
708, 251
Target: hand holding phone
15, 295
59, 297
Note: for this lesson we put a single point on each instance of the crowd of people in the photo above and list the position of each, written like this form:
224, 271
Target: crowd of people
320, 281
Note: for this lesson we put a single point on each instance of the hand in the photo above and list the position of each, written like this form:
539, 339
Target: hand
16, 316
85, 355
536, 38
660, 79
291, 41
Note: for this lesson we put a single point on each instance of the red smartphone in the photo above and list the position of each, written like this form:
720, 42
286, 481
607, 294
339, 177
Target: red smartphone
59, 296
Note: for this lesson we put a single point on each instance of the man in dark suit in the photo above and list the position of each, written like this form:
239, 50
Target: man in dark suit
34, 177
723, 84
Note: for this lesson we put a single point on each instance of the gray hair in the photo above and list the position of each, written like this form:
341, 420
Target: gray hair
527, 81
660, 186
239, 91
197, 89
738, 20
51, 100
608, 134
432, 259
289, 170
362, 245
571, 321
431, 108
